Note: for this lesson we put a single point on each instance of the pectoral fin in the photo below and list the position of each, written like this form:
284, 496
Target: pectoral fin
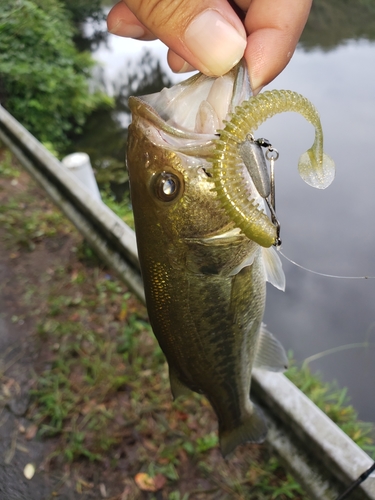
177, 387
273, 268
252, 430
270, 354
249, 261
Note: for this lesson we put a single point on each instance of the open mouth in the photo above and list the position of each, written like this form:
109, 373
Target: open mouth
199, 105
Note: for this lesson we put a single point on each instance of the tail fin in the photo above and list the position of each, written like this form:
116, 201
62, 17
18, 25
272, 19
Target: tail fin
252, 430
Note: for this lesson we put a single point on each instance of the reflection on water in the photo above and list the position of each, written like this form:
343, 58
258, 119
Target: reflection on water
331, 231
333, 22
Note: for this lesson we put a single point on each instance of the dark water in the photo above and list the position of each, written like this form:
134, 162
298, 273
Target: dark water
330, 231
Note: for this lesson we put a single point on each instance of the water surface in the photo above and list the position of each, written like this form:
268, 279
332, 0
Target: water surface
331, 231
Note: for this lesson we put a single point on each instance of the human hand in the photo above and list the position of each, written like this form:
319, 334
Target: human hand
209, 36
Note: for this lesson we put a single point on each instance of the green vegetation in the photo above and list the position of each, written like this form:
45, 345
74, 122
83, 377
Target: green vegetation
333, 22
44, 78
121, 208
335, 403
104, 135
80, 10
26, 225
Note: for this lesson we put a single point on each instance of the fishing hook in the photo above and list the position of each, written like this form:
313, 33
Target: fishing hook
260, 170
272, 155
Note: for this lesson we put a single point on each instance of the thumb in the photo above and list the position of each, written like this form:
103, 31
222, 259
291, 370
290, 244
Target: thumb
206, 33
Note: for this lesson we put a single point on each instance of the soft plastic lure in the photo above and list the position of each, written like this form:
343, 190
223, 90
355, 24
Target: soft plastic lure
316, 168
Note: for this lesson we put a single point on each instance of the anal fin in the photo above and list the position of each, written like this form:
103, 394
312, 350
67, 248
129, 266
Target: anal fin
270, 354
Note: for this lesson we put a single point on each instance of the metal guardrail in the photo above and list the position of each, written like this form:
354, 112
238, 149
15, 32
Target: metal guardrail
318, 453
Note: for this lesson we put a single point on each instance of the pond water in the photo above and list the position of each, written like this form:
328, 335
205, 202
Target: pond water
330, 231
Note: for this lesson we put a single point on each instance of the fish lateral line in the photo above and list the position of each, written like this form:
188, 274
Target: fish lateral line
315, 167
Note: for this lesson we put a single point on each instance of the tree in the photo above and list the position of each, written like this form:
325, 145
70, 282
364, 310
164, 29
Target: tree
334, 22
44, 79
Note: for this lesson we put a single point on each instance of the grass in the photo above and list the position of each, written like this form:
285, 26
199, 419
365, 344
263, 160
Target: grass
101, 389
122, 209
26, 227
24, 223
90, 379
334, 401
7, 169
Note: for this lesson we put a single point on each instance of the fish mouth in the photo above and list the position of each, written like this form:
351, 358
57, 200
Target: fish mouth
189, 115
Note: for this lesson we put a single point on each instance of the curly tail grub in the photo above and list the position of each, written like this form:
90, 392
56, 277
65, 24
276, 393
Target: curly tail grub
316, 168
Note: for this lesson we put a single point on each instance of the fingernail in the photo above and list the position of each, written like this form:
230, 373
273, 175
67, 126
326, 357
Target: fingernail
257, 90
254, 66
128, 30
215, 42
185, 68
256, 83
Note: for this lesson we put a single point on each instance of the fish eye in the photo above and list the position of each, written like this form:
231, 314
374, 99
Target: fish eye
167, 186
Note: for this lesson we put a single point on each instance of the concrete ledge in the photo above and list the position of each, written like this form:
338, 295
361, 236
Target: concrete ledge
314, 440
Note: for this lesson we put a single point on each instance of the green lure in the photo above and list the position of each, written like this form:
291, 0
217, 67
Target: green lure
315, 167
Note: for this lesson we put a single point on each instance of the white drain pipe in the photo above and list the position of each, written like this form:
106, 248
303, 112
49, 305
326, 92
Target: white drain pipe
80, 166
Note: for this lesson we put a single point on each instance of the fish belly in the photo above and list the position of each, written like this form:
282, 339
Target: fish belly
208, 326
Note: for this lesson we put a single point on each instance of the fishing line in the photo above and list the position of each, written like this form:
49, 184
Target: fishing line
324, 274
271, 206
334, 350
371, 469
357, 482
272, 155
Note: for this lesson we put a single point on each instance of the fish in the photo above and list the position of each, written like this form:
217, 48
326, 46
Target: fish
204, 273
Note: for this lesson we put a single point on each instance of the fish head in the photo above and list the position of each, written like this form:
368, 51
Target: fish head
170, 142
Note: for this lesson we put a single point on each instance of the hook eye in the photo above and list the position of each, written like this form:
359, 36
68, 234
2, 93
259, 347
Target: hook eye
167, 186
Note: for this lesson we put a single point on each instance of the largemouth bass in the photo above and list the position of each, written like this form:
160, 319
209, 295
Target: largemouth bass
204, 279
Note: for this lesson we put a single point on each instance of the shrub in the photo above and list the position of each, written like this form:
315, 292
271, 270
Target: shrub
44, 79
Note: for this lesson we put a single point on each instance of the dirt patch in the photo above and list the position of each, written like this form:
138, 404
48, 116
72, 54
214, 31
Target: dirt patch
25, 258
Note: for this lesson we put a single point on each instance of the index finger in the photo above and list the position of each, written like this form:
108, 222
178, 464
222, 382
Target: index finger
274, 28
206, 33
